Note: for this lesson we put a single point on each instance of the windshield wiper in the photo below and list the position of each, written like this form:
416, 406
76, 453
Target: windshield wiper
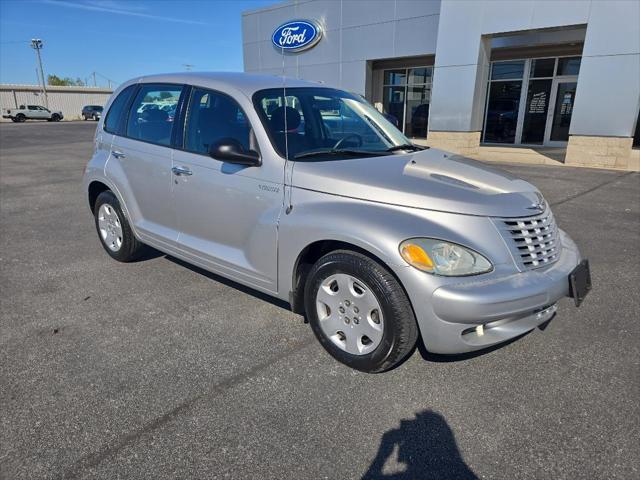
331, 151
406, 146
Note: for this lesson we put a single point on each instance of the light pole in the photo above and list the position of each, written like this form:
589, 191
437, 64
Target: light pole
37, 45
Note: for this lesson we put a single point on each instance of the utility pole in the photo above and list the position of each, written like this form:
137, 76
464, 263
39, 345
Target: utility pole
37, 45
94, 79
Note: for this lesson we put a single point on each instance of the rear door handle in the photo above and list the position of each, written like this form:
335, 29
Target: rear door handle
181, 171
117, 154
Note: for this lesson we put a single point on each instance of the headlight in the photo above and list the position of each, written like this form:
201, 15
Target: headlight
443, 258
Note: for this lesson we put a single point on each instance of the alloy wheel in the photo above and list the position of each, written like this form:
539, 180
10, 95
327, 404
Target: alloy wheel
110, 227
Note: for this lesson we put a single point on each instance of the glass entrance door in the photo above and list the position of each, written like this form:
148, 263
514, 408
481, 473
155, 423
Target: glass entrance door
537, 108
565, 94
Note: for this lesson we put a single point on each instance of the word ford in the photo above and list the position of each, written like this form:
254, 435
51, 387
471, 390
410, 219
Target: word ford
287, 37
297, 35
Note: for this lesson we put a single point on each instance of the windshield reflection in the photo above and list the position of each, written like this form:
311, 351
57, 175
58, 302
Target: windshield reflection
324, 123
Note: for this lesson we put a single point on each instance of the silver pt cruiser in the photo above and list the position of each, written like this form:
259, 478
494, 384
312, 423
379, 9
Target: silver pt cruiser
309, 194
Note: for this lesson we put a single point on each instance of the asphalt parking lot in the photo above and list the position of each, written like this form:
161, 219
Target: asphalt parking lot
159, 370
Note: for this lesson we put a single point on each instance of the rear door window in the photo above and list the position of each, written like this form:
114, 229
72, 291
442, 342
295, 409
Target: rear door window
152, 113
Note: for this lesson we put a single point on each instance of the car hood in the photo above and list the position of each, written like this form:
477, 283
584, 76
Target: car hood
429, 179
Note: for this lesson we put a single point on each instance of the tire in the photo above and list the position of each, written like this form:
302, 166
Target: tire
20, 118
360, 338
14, 119
55, 117
113, 229
84, 117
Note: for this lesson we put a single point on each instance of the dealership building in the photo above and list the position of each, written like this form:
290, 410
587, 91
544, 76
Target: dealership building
467, 74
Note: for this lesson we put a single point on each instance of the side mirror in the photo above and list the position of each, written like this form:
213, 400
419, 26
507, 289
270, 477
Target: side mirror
231, 150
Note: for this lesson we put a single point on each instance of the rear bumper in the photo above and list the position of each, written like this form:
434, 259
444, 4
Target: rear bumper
503, 306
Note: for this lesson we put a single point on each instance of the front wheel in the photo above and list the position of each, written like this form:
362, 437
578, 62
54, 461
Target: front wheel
55, 118
359, 312
114, 230
20, 118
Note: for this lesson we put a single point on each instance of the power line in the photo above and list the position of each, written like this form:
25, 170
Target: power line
93, 75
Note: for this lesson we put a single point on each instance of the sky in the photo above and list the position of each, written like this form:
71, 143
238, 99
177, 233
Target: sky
120, 39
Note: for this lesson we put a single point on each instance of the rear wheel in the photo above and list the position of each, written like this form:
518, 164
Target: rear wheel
359, 312
20, 118
55, 117
114, 230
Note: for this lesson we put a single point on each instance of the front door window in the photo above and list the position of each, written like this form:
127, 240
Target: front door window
406, 99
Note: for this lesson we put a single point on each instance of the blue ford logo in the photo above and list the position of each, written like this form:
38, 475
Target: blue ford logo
297, 35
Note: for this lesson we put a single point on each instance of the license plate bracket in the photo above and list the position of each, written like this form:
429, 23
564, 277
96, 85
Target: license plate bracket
580, 282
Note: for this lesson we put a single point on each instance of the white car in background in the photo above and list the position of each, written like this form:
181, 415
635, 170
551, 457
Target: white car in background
32, 112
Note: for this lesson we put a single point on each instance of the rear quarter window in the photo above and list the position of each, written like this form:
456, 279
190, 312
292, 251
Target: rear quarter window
113, 122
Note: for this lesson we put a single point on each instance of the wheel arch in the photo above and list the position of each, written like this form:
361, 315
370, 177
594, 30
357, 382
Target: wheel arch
95, 188
311, 253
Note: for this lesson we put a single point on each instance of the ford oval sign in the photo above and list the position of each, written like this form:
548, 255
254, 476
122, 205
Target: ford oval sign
297, 35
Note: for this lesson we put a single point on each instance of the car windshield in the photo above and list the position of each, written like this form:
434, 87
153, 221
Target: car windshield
324, 123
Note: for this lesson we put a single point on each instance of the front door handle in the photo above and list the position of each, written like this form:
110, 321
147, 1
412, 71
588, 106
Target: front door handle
117, 154
181, 171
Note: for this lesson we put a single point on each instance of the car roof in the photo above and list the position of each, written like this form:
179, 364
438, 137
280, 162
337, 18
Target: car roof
246, 83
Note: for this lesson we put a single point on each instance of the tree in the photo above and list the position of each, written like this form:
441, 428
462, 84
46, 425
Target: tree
56, 81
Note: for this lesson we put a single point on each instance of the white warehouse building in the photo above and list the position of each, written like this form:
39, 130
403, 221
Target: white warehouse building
68, 100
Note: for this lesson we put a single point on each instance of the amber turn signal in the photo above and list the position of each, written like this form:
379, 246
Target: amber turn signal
415, 255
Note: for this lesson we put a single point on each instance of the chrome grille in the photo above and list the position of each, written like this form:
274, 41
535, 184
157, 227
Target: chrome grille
533, 240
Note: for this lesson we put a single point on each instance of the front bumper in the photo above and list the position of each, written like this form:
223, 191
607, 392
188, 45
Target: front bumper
503, 306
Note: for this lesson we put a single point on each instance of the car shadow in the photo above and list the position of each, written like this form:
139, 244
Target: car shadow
230, 283
441, 358
149, 253
420, 448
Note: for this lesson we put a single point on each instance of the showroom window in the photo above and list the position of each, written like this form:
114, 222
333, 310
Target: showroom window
530, 101
503, 101
406, 98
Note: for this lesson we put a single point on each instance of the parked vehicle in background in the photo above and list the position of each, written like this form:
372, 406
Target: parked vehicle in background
92, 112
309, 194
32, 112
